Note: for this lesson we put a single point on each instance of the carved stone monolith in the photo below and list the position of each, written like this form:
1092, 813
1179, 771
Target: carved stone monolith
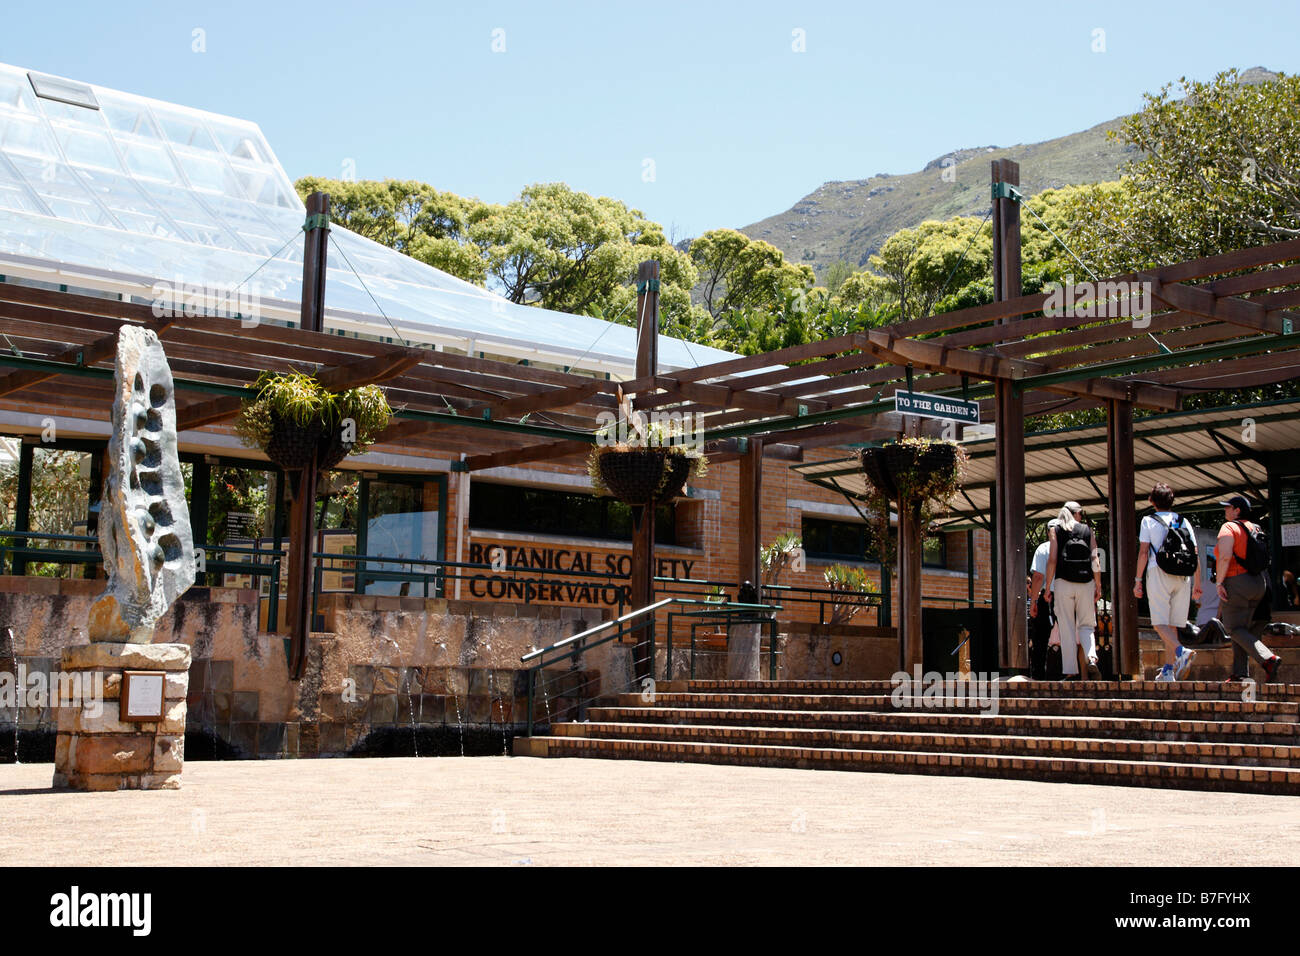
134, 738
144, 523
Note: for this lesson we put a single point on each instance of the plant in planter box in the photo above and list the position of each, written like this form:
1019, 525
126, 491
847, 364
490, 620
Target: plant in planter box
642, 462
294, 419
849, 587
784, 552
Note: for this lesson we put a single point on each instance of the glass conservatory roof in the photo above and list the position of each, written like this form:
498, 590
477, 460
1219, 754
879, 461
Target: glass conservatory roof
106, 190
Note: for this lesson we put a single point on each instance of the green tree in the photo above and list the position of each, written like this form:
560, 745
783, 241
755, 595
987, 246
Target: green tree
737, 272
915, 267
411, 217
566, 250
1218, 169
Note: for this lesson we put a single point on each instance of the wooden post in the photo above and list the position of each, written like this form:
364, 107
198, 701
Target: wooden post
910, 545
301, 512
643, 534
1009, 490
1123, 537
744, 640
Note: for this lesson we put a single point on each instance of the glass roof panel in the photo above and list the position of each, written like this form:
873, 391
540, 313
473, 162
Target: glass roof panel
125, 116
163, 192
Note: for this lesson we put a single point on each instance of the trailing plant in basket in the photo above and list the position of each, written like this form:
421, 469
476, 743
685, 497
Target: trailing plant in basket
640, 462
927, 472
292, 417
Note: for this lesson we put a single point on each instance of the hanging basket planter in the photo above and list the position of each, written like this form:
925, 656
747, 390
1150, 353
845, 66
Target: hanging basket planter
879, 472
292, 446
916, 469
294, 420
633, 476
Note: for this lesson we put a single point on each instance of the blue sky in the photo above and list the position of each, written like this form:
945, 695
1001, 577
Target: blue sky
738, 124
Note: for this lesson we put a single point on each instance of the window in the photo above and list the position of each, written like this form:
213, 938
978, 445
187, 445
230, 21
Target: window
494, 507
838, 540
934, 550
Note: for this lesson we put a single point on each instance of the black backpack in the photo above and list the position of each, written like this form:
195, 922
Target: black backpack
1256, 559
1074, 554
1177, 554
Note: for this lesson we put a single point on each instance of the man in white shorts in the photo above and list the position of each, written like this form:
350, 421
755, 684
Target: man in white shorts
1168, 594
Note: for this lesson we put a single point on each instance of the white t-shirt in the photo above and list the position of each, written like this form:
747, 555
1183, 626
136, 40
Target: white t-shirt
1155, 528
1039, 564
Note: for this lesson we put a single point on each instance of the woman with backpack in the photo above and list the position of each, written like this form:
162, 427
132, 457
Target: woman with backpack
1077, 576
1172, 564
1242, 556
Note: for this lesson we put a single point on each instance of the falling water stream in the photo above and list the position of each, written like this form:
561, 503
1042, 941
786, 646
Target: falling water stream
18, 691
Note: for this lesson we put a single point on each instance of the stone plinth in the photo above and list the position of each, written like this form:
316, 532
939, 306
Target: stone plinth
95, 748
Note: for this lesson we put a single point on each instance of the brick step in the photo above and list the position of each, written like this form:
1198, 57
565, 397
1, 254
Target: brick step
1181, 690
1287, 711
1272, 780
1095, 748
1277, 733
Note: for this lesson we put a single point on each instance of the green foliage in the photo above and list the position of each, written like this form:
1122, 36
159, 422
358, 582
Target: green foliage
300, 398
931, 490
411, 217
778, 555
849, 587
553, 247
737, 272
1217, 170
633, 433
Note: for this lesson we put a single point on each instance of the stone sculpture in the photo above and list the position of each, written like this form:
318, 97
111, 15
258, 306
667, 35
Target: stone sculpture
144, 523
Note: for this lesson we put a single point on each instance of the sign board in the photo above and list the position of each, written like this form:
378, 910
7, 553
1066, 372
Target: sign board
142, 695
1289, 512
936, 406
241, 524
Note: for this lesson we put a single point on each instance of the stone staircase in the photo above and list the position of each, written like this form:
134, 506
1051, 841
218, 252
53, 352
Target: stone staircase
1189, 735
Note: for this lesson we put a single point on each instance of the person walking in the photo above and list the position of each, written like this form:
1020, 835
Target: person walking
1171, 563
1074, 580
1040, 607
1242, 557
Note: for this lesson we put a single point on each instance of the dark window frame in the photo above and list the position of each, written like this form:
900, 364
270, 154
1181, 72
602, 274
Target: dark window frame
559, 513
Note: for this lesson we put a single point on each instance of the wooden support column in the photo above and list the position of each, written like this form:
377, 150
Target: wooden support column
1123, 535
910, 545
643, 533
303, 483
744, 640
1009, 490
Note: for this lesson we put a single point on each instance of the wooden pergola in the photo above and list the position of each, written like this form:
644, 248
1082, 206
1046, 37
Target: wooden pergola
1217, 323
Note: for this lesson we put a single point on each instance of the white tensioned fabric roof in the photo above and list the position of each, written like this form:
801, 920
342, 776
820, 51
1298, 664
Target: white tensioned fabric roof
1203, 454
136, 192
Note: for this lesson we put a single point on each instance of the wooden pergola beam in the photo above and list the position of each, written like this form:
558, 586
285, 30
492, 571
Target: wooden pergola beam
1233, 309
87, 354
516, 456
544, 401
724, 397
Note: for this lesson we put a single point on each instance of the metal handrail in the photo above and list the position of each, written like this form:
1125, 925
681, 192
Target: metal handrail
617, 627
648, 609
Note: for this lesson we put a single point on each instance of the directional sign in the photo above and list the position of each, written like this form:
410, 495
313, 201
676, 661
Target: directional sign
936, 406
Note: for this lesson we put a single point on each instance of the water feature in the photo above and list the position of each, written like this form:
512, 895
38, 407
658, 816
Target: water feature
505, 743
18, 691
460, 723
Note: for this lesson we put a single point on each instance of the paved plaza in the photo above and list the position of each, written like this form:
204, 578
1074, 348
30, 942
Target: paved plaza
502, 811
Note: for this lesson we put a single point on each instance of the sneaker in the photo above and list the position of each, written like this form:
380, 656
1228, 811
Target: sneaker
1270, 669
1184, 661
1166, 674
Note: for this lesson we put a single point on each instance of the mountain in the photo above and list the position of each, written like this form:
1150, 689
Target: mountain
850, 219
